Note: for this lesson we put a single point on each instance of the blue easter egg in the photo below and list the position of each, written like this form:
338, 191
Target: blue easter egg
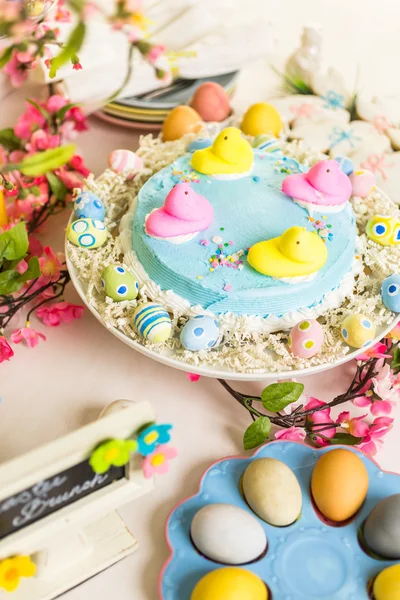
346, 164
89, 206
199, 144
390, 291
200, 333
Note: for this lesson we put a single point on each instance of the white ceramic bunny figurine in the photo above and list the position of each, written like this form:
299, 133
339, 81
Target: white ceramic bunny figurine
306, 59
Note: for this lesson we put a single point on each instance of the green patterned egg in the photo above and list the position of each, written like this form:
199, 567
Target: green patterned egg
87, 233
119, 284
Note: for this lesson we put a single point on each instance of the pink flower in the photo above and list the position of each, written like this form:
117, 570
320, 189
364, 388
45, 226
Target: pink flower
54, 314
90, 10
26, 56
378, 350
55, 103
78, 164
355, 426
41, 140
192, 377
30, 120
322, 418
76, 114
6, 352
70, 179
395, 333
295, 434
50, 266
158, 461
27, 334
16, 71
134, 5
77, 66
155, 53
383, 385
379, 428
35, 246
62, 15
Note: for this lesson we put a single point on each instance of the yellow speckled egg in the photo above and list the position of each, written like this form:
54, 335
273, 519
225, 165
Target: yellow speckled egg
387, 584
262, 118
180, 121
339, 484
358, 330
230, 583
87, 233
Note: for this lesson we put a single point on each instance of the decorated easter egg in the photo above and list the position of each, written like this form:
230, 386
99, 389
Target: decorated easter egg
383, 230
230, 583
339, 484
346, 164
200, 333
382, 528
125, 161
306, 338
228, 534
87, 233
119, 284
271, 489
180, 121
387, 585
267, 144
152, 322
199, 144
390, 291
211, 102
89, 206
262, 118
363, 182
358, 330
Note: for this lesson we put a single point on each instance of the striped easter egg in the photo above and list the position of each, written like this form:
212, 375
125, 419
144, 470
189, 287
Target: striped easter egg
125, 161
152, 322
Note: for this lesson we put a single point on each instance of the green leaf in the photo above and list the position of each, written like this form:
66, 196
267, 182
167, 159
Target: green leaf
14, 243
6, 56
277, 396
77, 5
257, 433
346, 439
71, 47
9, 140
60, 114
9, 282
33, 270
58, 188
396, 357
42, 110
41, 162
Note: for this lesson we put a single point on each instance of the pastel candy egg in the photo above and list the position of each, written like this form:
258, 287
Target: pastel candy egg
89, 206
382, 528
346, 164
230, 583
306, 338
125, 161
228, 534
363, 182
180, 121
387, 585
87, 233
266, 144
152, 322
271, 489
119, 284
262, 118
211, 102
199, 144
383, 230
200, 333
339, 484
358, 330
390, 291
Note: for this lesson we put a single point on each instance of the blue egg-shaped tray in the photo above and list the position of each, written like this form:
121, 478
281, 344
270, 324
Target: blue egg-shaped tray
308, 560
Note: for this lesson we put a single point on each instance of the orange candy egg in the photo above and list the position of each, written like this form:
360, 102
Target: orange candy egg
180, 121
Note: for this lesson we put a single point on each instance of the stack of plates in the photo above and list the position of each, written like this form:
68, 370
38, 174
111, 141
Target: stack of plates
148, 111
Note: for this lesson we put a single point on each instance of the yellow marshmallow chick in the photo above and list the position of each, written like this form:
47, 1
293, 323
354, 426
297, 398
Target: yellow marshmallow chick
295, 253
383, 230
229, 154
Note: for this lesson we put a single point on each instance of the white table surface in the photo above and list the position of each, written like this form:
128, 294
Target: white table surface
65, 382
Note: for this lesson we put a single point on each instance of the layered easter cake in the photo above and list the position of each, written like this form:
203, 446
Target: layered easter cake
251, 252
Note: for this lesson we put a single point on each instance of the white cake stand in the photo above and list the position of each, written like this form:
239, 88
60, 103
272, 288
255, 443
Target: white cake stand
167, 357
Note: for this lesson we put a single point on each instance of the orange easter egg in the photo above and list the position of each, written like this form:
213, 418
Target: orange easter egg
180, 121
211, 101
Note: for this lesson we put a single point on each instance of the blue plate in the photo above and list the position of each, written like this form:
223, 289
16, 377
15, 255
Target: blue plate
308, 560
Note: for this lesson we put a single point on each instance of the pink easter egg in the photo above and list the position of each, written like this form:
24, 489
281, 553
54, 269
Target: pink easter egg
125, 161
306, 338
363, 182
211, 101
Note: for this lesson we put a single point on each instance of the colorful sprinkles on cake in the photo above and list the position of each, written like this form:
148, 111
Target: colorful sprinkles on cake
185, 176
221, 257
322, 228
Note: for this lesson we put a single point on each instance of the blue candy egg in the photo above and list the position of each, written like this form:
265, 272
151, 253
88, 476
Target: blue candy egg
390, 291
89, 206
346, 164
200, 333
199, 144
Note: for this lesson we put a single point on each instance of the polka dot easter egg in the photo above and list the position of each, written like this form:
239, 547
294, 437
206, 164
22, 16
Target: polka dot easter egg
200, 333
152, 322
89, 206
385, 231
119, 284
306, 339
390, 291
87, 233
125, 161
358, 330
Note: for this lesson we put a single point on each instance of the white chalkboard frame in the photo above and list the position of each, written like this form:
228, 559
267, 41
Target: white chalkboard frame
51, 459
